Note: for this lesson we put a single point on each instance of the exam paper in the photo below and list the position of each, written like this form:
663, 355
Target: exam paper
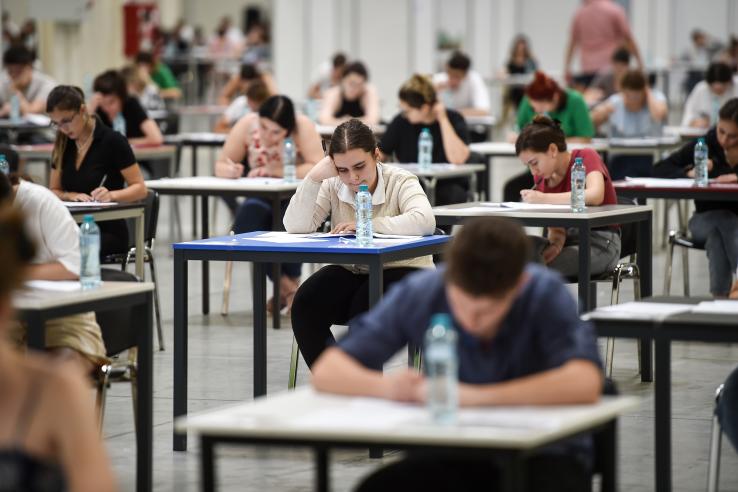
640, 310
88, 204
55, 285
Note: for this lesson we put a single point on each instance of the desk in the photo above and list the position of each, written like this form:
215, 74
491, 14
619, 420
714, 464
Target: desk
243, 248
304, 418
23, 125
668, 189
685, 132
273, 189
133, 210
439, 172
35, 307
695, 327
655, 147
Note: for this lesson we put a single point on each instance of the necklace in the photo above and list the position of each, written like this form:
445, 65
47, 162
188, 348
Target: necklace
81, 145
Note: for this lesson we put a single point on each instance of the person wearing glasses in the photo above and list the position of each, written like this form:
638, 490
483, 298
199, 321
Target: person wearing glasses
92, 162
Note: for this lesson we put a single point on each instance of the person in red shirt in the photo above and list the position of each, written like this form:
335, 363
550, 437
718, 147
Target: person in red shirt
542, 147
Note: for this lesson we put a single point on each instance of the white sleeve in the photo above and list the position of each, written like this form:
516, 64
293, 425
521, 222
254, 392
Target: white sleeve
480, 93
60, 233
235, 110
691, 106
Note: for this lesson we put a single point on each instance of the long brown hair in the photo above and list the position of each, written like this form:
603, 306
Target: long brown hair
64, 98
350, 135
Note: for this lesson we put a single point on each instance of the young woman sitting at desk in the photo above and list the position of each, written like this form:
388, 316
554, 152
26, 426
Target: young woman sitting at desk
354, 97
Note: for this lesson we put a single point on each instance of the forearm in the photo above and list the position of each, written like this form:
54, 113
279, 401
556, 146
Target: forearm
657, 109
337, 372
133, 192
576, 382
302, 215
412, 223
50, 271
557, 235
456, 150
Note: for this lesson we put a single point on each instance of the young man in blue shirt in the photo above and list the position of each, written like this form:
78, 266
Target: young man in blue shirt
521, 342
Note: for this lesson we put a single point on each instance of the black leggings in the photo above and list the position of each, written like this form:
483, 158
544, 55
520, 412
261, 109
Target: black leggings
332, 296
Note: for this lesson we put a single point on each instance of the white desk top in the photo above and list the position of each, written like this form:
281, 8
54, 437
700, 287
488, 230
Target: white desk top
306, 414
685, 131
507, 149
39, 300
482, 209
212, 183
441, 170
484, 120
200, 137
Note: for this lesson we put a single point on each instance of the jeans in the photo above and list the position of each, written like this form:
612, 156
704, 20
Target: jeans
718, 231
604, 252
255, 214
727, 408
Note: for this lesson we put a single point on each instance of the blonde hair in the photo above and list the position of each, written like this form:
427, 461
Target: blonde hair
417, 91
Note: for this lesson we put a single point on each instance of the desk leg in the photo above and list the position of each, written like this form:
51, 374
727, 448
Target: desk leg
662, 415
513, 474
376, 280
260, 342
205, 264
645, 266
139, 223
207, 464
473, 186
610, 459
276, 267
36, 337
144, 400
485, 187
194, 198
585, 303
322, 479
180, 345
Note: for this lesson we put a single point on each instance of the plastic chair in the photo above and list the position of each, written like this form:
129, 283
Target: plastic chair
716, 435
681, 239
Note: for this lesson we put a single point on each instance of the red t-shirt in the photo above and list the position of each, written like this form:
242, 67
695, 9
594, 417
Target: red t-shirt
592, 162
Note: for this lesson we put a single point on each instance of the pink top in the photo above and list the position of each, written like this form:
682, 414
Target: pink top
598, 29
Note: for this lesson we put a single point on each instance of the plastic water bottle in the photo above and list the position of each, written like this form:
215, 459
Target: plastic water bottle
700, 163
89, 248
4, 166
364, 231
578, 180
425, 149
15, 109
119, 124
442, 369
288, 161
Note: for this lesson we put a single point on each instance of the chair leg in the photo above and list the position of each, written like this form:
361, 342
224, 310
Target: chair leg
685, 270
157, 304
668, 266
294, 360
227, 288
713, 466
133, 371
614, 298
103, 378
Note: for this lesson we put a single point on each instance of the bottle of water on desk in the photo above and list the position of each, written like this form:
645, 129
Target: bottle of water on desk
364, 231
15, 111
425, 149
288, 161
4, 166
441, 366
700, 163
578, 180
89, 248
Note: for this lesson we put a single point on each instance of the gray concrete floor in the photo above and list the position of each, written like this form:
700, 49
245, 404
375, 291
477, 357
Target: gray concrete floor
220, 364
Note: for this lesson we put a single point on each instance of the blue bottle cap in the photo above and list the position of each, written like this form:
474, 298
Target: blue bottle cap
88, 218
363, 187
2, 157
443, 319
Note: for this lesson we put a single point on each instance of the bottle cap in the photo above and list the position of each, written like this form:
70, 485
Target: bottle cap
2, 157
88, 218
363, 187
443, 319
578, 160
701, 139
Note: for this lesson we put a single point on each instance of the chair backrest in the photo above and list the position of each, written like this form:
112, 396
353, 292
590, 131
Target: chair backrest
151, 220
115, 324
628, 232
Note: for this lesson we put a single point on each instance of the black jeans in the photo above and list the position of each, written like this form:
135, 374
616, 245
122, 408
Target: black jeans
433, 472
332, 296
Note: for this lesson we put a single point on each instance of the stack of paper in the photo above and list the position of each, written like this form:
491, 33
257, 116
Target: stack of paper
639, 310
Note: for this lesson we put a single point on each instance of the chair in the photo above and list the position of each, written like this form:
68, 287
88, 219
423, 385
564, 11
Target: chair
151, 218
713, 466
684, 241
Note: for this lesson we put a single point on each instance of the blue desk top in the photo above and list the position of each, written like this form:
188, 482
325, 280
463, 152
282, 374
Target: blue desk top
248, 242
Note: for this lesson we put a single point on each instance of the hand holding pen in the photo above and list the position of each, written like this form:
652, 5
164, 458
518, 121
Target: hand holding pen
532, 195
102, 194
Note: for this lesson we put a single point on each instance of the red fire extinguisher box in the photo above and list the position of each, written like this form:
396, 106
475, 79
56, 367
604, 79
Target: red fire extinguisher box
140, 27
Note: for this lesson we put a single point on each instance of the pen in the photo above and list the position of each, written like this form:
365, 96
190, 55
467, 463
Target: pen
536, 182
102, 182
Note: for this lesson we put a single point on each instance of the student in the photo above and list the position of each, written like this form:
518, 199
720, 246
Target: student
544, 96
715, 223
520, 62
461, 88
704, 102
329, 75
48, 431
140, 85
75, 338
256, 94
160, 74
541, 146
636, 111
91, 162
257, 139
240, 83
19, 78
122, 112
337, 293
421, 109
607, 81
353, 97
521, 342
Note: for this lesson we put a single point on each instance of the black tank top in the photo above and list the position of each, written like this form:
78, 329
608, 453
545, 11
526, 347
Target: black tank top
349, 108
20, 471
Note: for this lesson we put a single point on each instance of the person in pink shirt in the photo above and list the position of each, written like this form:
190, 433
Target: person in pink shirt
598, 29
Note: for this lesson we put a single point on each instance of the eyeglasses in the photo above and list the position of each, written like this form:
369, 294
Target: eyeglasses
63, 124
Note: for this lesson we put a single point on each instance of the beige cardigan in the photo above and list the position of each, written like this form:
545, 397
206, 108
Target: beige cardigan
399, 206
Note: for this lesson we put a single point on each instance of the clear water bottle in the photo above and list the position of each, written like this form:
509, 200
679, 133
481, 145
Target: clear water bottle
4, 166
425, 149
700, 163
89, 248
15, 109
440, 360
119, 124
364, 231
578, 180
288, 160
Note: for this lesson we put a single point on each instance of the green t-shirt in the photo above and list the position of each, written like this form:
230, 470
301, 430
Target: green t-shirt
163, 77
574, 116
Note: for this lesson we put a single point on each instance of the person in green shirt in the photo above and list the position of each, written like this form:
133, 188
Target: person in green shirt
544, 96
160, 74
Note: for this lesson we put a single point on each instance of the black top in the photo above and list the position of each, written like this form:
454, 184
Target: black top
349, 108
401, 137
682, 160
109, 153
133, 113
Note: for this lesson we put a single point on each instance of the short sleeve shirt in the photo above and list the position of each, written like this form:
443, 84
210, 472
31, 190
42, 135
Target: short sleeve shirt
401, 137
598, 28
592, 162
631, 124
573, 115
163, 77
133, 113
38, 90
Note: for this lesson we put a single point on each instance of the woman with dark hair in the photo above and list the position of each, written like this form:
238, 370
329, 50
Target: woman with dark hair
336, 293
258, 139
520, 61
91, 162
544, 96
121, 111
541, 146
715, 223
704, 102
354, 97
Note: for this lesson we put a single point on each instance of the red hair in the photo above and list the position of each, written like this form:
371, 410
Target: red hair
543, 88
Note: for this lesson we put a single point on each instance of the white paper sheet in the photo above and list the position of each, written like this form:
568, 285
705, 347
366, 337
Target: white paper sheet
88, 204
661, 182
640, 310
55, 285
717, 307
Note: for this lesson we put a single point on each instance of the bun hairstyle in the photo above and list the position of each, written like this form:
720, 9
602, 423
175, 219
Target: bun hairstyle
16, 249
539, 134
350, 135
417, 91
63, 98
542, 88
